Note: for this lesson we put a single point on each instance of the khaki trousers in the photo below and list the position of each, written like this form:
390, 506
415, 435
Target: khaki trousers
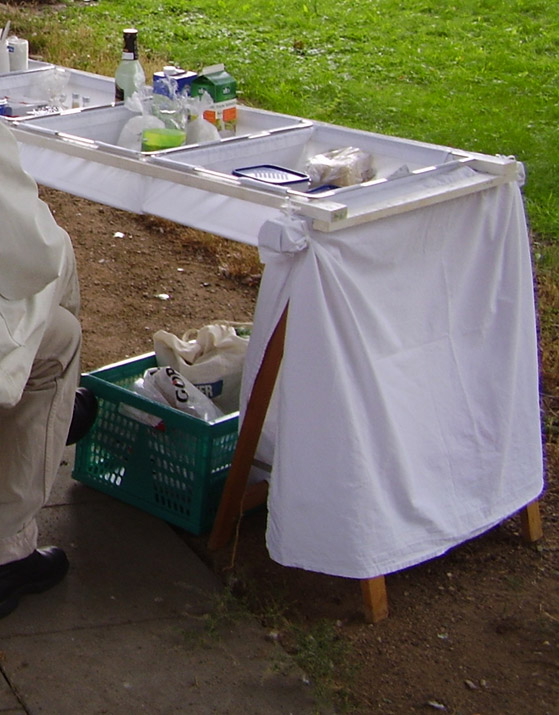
33, 435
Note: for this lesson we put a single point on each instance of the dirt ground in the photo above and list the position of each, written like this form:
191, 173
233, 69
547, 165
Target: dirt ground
473, 632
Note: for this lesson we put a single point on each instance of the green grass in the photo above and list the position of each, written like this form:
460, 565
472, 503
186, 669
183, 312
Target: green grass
477, 75
324, 656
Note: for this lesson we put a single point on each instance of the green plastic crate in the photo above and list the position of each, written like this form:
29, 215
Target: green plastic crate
176, 473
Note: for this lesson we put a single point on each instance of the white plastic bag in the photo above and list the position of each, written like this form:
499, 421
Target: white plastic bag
132, 132
212, 358
341, 167
200, 130
154, 111
166, 386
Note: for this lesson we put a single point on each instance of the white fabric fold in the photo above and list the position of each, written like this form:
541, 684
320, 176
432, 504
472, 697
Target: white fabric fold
406, 413
286, 234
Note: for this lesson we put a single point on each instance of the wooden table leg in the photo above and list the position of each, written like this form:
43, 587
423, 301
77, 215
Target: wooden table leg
531, 523
375, 599
231, 502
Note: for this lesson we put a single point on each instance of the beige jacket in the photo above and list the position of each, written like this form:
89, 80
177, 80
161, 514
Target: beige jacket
37, 270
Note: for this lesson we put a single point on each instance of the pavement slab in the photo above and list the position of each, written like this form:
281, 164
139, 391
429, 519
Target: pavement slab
136, 626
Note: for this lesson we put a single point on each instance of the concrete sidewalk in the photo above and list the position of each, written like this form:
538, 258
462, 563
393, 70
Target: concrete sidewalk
127, 631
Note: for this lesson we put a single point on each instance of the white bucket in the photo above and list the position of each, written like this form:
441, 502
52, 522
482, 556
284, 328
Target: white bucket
18, 50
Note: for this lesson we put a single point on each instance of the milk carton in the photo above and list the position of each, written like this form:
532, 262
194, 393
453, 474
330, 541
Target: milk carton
222, 88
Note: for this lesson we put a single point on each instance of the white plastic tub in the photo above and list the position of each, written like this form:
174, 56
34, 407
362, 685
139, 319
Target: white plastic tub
103, 125
32, 66
28, 93
391, 157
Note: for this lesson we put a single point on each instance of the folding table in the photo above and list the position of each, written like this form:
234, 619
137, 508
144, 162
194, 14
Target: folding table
405, 415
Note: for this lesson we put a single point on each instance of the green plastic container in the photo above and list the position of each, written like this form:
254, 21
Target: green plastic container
176, 473
156, 139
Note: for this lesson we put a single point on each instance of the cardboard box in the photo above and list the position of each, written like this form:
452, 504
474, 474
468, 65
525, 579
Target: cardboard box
183, 78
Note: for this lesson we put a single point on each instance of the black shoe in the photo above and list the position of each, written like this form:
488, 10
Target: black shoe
83, 417
39, 571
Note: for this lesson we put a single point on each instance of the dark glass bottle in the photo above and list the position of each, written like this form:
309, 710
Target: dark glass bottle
129, 75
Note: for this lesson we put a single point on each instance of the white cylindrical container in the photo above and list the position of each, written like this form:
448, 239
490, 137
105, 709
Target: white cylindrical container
4, 58
18, 49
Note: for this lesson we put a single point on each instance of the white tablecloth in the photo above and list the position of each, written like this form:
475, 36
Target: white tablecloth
406, 413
